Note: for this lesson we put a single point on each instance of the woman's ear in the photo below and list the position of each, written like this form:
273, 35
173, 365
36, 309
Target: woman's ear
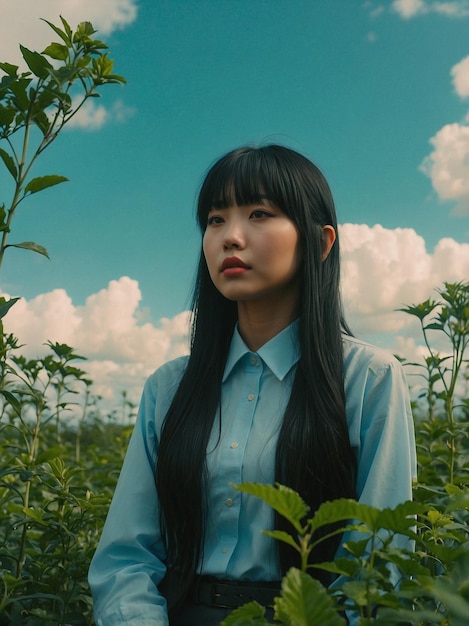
328, 238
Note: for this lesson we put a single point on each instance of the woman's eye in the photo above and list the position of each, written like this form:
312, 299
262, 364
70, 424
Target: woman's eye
214, 219
259, 213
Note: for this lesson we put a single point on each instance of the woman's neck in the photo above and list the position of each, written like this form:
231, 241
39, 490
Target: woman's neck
258, 324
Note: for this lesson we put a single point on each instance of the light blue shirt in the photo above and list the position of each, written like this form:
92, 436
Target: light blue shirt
129, 561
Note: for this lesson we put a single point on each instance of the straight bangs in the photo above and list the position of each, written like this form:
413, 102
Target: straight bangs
245, 176
273, 173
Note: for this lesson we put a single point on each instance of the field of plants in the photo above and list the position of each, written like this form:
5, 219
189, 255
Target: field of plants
57, 475
60, 456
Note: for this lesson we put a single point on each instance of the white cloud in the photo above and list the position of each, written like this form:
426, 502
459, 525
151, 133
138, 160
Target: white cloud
21, 23
383, 270
93, 115
121, 352
448, 165
374, 11
451, 9
460, 76
408, 9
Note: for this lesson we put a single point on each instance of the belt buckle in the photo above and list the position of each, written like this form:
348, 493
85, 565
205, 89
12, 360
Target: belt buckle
215, 594
230, 598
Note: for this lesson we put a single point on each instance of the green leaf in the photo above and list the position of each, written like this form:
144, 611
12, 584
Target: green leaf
11, 399
3, 219
434, 326
343, 509
357, 548
49, 454
250, 614
399, 519
305, 602
42, 122
57, 51
42, 182
447, 592
9, 162
63, 75
65, 36
458, 500
7, 115
66, 26
29, 245
84, 30
281, 535
357, 590
453, 490
36, 514
342, 566
38, 64
8, 68
18, 89
65, 352
282, 499
6, 306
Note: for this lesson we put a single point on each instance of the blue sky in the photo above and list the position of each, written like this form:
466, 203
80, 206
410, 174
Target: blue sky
362, 88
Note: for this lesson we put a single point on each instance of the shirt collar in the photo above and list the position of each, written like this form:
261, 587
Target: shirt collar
280, 354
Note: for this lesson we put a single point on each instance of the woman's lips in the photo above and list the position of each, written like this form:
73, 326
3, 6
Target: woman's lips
232, 266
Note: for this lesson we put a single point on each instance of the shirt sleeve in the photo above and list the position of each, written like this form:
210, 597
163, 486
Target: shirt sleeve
385, 440
129, 561
382, 435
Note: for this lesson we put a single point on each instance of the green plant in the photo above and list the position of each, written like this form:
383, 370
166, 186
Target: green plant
53, 500
365, 589
35, 106
441, 427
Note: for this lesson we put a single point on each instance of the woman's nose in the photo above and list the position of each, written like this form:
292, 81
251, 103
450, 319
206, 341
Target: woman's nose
233, 237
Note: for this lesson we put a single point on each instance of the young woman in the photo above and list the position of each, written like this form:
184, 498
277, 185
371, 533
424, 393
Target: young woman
275, 389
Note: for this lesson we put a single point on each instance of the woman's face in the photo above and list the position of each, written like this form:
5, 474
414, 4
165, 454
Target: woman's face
252, 253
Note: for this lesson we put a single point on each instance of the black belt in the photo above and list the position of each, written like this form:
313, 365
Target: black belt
230, 594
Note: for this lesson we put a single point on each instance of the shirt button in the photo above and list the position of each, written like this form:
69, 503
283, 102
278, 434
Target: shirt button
253, 360
235, 444
224, 550
251, 396
229, 502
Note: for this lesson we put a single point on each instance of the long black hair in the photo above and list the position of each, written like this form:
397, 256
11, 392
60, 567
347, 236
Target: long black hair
313, 455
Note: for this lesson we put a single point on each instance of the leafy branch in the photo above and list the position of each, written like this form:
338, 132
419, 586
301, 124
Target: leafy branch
450, 316
45, 98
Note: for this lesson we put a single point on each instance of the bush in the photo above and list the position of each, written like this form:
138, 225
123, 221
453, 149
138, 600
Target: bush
59, 464
60, 458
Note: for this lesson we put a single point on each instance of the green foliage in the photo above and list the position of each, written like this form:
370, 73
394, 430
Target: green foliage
442, 425
59, 462
36, 104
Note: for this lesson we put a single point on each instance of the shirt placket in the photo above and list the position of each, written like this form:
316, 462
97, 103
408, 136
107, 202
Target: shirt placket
234, 446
